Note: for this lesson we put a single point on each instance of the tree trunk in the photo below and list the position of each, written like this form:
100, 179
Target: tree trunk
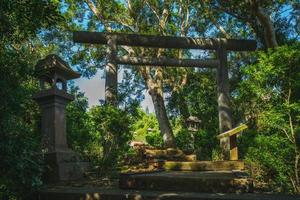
161, 115
265, 21
111, 79
269, 31
156, 92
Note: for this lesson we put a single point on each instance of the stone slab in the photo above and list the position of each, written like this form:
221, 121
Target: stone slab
169, 154
221, 181
204, 165
92, 193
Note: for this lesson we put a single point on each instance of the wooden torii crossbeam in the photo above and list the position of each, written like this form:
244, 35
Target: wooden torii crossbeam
164, 41
220, 45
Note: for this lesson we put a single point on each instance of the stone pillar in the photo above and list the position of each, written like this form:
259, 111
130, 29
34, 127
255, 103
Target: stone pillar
53, 104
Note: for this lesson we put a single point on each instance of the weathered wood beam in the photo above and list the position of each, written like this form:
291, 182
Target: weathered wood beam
164, 62
164, 41
233, 131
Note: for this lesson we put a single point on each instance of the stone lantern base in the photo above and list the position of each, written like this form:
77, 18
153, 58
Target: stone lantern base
64, 166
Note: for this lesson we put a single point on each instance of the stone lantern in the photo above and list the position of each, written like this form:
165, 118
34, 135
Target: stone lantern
53, 98
193, 123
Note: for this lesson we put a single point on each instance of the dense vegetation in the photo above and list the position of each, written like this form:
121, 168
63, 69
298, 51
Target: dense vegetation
265, 85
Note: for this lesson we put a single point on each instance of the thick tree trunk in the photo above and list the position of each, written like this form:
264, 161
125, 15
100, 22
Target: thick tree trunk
161, 115
156, 92
111, 79
265, 21
269, 31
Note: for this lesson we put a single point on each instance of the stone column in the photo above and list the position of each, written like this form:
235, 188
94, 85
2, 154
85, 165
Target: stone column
53, 104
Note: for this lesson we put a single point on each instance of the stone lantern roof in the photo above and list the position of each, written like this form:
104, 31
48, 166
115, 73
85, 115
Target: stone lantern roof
193, 119
53, 64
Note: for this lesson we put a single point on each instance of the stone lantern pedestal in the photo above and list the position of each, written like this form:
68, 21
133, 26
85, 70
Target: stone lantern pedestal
63, 164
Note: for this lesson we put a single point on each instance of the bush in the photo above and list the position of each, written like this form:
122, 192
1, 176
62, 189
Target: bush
112, 128
271, 154
154, 139
269, 97
20, 151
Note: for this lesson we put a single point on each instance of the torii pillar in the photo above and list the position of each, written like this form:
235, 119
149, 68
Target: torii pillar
228, 144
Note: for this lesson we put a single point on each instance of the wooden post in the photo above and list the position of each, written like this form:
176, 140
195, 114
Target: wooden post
228, 144
111, 80
233, 148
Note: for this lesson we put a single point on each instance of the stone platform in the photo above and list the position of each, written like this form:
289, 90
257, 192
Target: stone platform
177, 180
220, 181
92, 193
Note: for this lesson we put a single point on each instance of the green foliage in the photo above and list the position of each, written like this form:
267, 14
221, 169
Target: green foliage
20, 151
269, 96
79, 124
274, 155
146, 129
154, 139
185, 140
101, 134
21, 19
111, 127
201, 142
206, 143
200, 96
19, 144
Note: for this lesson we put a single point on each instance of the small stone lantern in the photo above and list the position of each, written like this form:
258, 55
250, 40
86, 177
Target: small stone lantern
53, 98
193, 123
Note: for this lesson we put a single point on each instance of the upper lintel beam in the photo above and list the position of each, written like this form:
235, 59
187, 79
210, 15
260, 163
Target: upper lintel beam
164, 41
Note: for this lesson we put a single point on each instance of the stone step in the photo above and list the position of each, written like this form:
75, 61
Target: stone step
91, 193
203, 165
188, 181
169, 154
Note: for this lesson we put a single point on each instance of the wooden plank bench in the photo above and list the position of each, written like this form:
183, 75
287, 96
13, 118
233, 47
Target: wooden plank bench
232, 134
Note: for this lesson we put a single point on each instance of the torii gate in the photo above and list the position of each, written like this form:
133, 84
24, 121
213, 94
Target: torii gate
221, 46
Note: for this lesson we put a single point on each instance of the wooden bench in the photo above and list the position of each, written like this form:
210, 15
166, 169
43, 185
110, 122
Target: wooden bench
232, 134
